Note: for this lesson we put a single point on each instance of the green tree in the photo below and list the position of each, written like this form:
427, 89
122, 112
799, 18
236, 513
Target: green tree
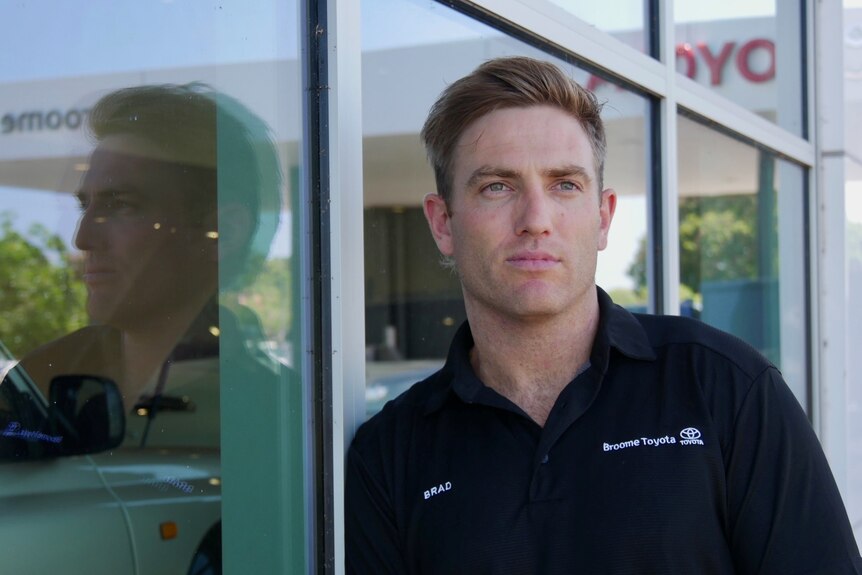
267, 295
41, 295
718, 241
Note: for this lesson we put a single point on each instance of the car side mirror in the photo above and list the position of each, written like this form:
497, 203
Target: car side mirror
87, 411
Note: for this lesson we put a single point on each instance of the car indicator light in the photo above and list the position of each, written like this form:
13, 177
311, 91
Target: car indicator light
168, 530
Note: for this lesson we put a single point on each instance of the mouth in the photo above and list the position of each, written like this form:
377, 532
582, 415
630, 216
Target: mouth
533, 261
97, 275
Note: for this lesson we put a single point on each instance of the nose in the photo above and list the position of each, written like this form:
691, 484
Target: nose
535, 212
90, 234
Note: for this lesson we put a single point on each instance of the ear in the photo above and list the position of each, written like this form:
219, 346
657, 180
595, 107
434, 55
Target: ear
606, 215
235, 225
439, 220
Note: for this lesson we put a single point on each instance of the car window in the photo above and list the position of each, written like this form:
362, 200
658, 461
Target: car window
24, 432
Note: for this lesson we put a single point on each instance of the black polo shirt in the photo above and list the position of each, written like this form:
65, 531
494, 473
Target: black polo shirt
679, 450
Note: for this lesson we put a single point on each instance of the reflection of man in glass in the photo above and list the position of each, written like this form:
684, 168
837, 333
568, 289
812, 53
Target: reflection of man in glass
148, 231
151, 201
178, 211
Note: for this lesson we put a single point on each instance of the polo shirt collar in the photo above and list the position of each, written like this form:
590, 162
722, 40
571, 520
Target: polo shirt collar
457, 372
623, 331
618, 329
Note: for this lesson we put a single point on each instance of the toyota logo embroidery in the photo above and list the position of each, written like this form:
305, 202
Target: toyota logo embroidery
690, 433
690, 436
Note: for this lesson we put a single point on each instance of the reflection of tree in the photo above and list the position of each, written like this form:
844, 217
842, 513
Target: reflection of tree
718, 242
266, 297
40, 296
638, 272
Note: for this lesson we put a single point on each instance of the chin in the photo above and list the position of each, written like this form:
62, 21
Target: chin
107, 313
536, 310
538, 314
98, 312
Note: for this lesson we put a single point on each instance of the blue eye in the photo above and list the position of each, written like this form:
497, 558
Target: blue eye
496, 188
569, 186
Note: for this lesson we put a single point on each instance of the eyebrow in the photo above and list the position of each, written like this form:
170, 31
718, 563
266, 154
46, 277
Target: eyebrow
571, 170
84, 194
487, 171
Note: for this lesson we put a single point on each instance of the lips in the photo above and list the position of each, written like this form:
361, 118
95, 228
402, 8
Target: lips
98, 274
533, 260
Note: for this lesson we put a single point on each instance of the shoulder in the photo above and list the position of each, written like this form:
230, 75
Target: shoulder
88, 349
84, 338
399, 417
725, 378
677, 338
93, 350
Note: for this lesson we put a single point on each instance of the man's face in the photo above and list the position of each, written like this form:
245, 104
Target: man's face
525, 221
145, 255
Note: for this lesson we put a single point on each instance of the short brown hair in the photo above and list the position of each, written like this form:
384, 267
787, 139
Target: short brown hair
513, 82
220, 144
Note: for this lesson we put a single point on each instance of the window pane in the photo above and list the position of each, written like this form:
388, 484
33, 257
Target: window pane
414, 49
742, 258
853, 191
149, 178
627, 22
736, 50
853, 198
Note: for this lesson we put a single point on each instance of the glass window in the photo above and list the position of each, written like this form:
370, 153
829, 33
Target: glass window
853, 199
149, 184
735, 49
627, 22
742, 258
414, 49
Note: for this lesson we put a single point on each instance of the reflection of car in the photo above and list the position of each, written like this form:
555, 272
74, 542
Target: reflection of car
76, 501
386, 380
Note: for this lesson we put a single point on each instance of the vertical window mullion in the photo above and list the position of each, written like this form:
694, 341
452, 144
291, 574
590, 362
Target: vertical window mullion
669, 204
342, 358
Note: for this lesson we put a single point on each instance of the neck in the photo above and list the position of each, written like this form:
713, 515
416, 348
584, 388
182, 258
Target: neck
530, 360
146, 347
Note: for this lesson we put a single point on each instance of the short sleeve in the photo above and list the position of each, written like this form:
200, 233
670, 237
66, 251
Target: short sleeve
785, 513
372, 541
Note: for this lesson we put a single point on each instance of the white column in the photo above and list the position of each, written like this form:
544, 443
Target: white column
830, 281
348, 271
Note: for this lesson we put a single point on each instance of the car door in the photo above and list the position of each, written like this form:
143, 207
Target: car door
173, 500
167, 471
57, 514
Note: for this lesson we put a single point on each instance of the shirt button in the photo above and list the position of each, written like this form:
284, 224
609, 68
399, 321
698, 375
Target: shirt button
545, 459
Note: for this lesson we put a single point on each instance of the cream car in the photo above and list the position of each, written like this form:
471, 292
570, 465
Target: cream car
86, 488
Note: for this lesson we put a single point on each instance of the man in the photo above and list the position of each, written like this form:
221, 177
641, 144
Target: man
170, 205
564, 434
